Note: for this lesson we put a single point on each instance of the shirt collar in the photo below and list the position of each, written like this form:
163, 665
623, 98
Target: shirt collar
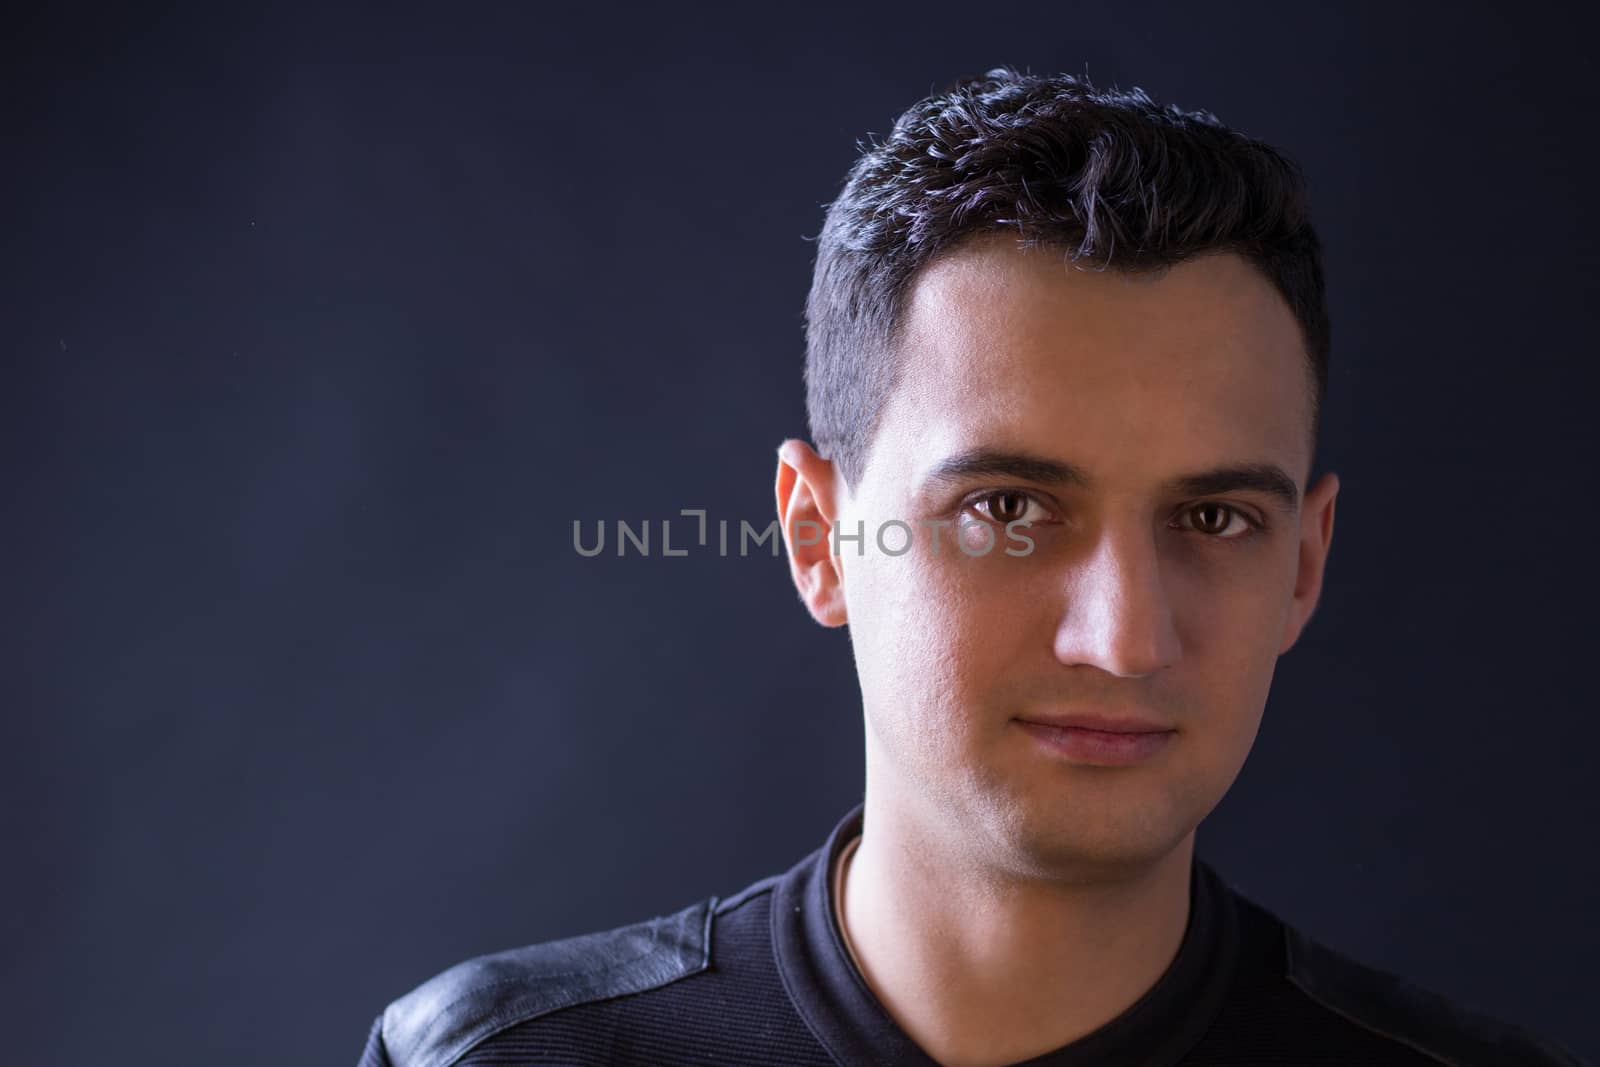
847, 1018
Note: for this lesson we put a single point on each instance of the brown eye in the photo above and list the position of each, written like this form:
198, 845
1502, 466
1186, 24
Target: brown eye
1006, 507
1212, 518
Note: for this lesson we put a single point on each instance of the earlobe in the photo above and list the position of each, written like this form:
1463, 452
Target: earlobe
1316, 540
806, 488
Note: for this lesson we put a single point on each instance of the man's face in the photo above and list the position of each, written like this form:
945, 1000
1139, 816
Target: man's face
1149, 591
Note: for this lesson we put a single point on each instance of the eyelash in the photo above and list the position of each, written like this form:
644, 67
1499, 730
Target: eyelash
1253, 525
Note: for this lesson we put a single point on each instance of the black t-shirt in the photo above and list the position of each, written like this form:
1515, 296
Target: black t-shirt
763, 979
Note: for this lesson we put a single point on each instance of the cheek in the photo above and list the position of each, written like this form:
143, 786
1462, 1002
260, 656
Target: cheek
1230, 598
912, 624
935, 636
1230, 631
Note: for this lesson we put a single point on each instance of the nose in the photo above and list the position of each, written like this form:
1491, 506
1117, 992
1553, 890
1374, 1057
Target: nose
1118, 615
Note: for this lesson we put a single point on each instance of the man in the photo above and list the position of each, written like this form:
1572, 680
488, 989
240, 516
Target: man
1066, 353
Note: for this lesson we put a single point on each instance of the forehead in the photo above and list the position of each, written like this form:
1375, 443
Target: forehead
1131, 377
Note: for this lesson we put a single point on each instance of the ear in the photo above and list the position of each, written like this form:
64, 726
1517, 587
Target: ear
808, 489
1316, 537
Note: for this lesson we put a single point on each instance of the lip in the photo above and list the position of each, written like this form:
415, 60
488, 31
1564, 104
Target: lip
1109, 724
1098, 740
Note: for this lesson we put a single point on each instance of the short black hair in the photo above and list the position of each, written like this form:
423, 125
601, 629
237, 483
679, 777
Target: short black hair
1108, 174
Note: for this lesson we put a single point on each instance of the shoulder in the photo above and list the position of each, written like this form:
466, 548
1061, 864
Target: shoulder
439, 1021
1406, 1013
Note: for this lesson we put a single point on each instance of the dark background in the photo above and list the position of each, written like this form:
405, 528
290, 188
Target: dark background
322, 325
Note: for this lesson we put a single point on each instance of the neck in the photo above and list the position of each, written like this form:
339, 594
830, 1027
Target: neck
980, 967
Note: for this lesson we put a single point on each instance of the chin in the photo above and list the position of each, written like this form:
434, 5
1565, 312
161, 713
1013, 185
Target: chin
1099, 838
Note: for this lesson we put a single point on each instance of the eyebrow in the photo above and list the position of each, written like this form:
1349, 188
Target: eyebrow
1269, 479
996, 463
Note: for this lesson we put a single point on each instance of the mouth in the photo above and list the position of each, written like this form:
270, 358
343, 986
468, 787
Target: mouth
1100, 741
1099, 721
